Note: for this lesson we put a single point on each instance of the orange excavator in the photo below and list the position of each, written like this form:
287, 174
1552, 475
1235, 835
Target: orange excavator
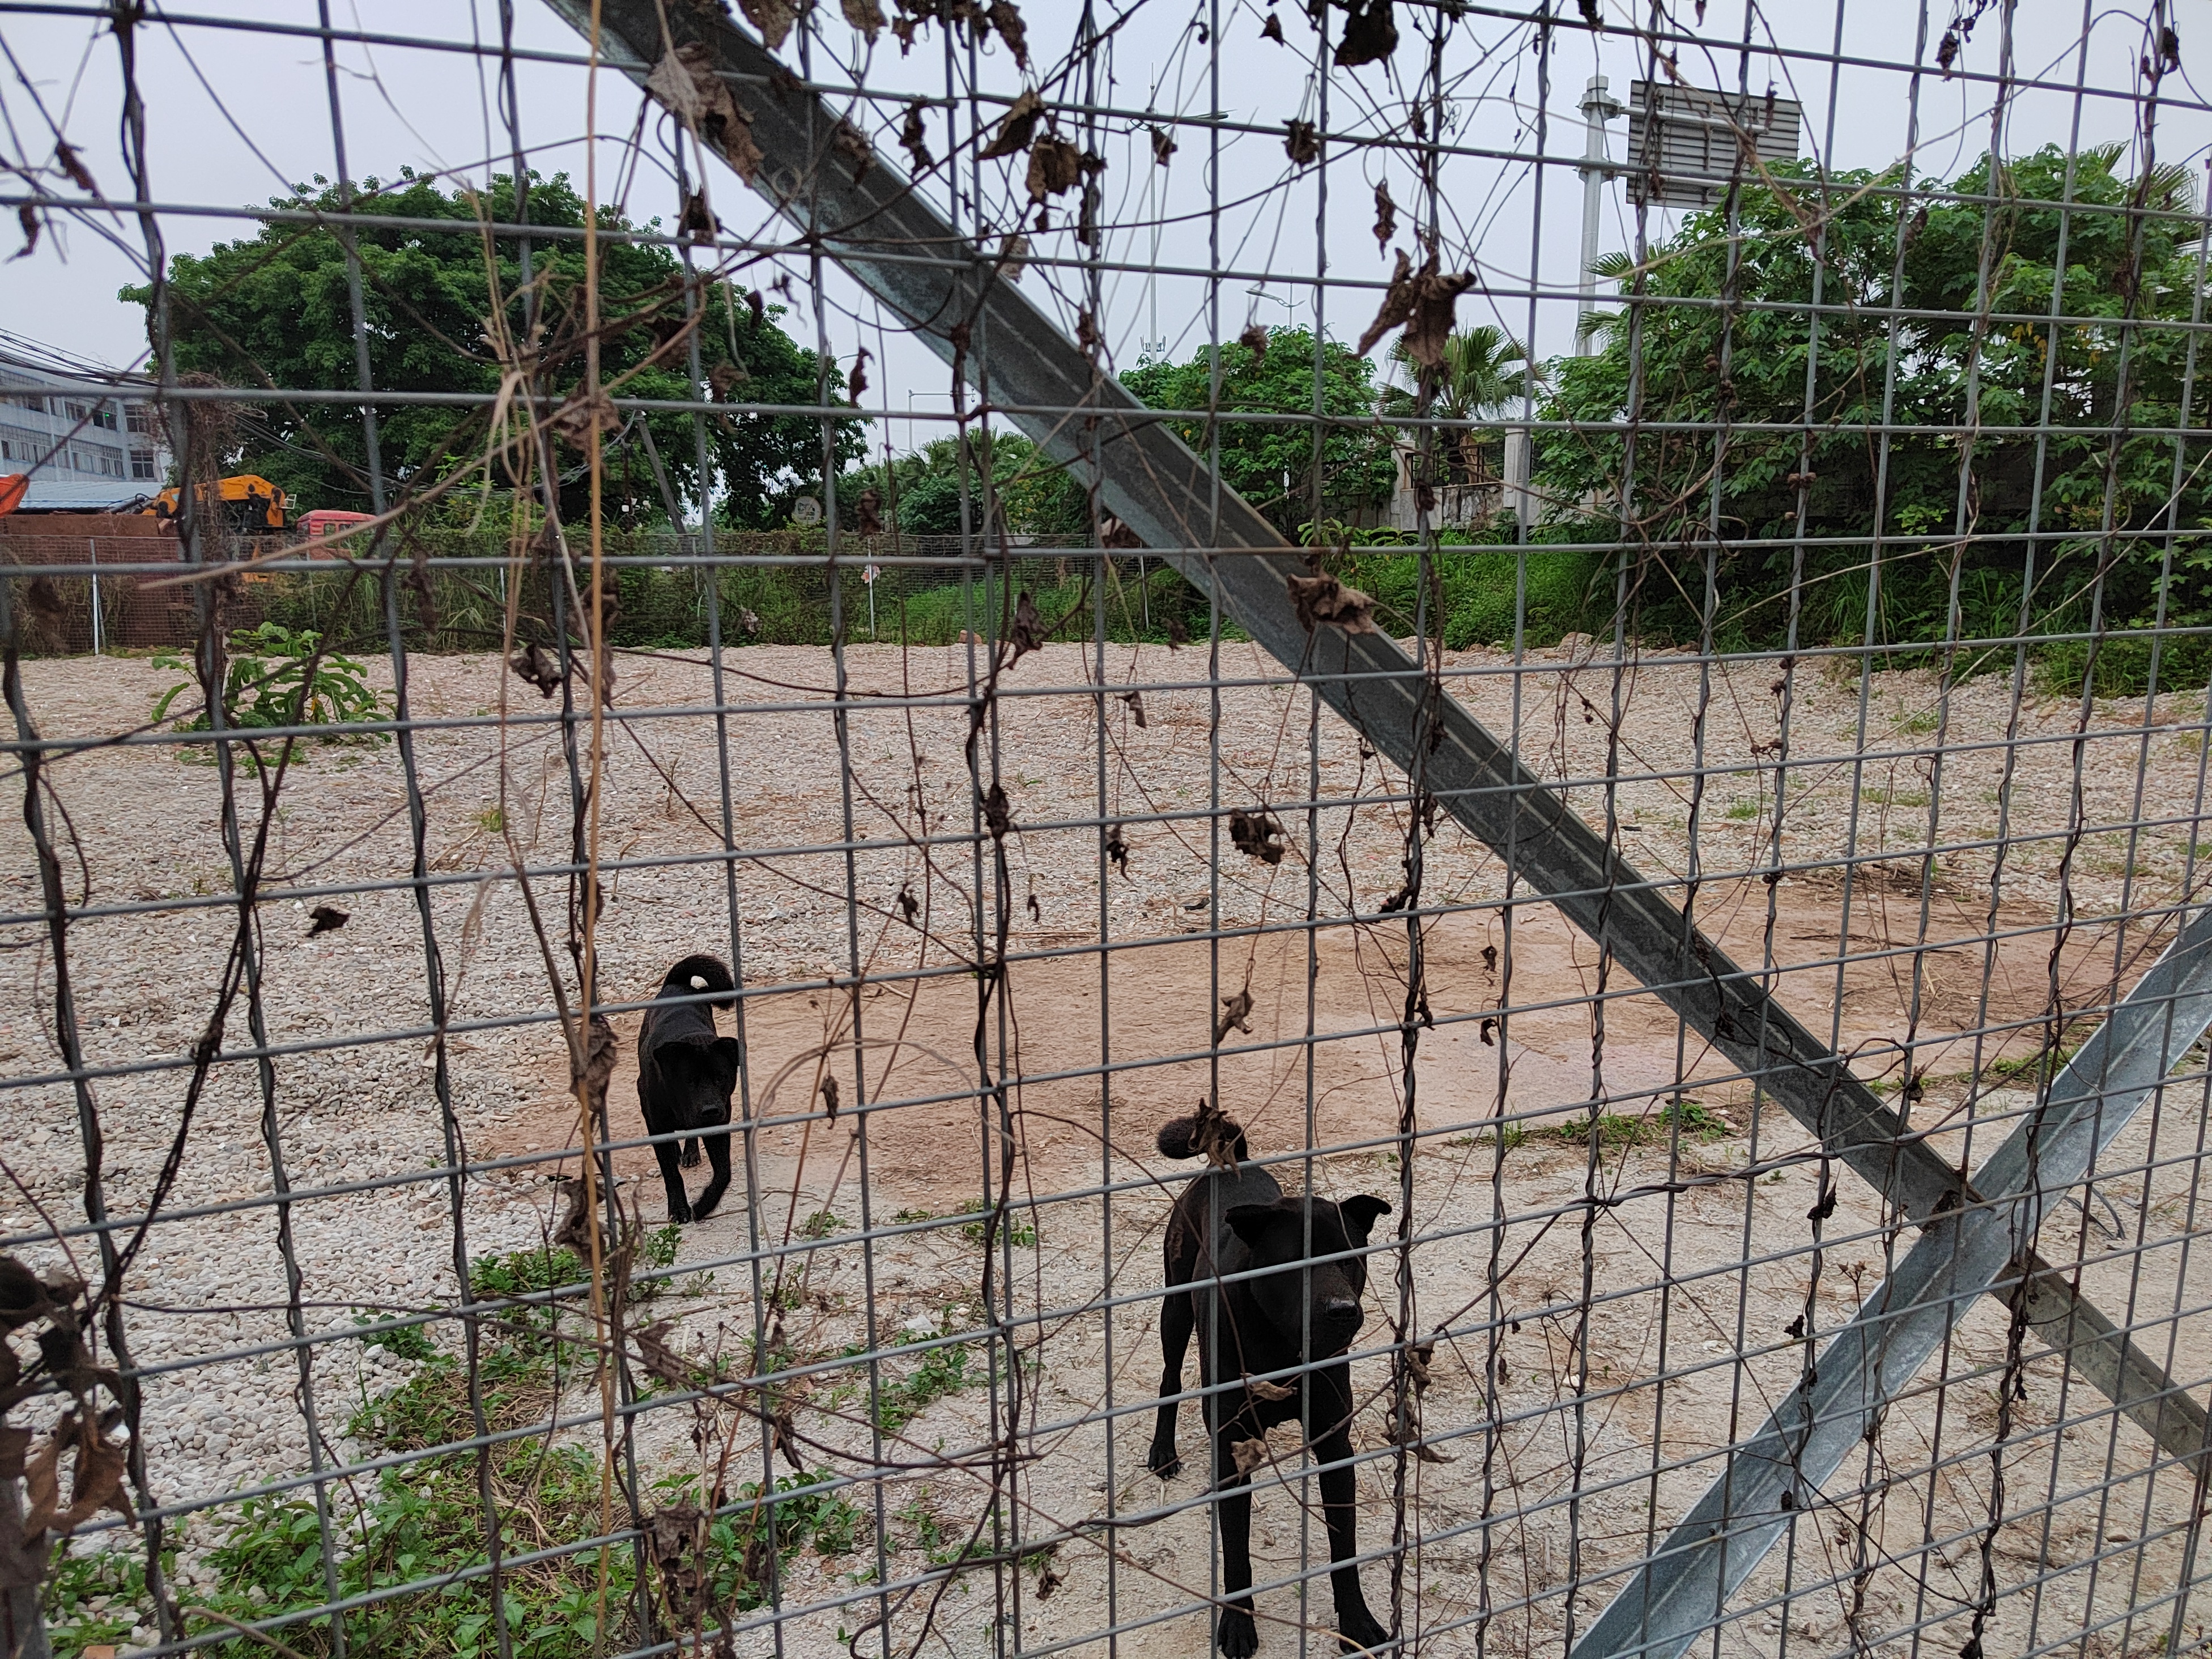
246, 504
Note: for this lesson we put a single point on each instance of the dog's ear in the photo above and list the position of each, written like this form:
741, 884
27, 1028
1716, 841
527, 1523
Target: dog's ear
726, 1056
1359, 1212
1250, 1222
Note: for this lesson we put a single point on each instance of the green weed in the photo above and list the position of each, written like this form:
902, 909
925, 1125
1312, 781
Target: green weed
269, 683
1691, 1118
1024, 1236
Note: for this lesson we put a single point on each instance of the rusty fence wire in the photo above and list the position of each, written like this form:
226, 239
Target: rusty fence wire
1498, 710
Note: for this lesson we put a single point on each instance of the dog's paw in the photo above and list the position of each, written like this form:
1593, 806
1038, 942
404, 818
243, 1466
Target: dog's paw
1239, 1635
689, 1157
1163, 1461
678, 1214
705, 1207
1357, 1630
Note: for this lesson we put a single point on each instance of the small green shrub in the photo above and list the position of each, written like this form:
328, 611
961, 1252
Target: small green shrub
976, 1232
276, 678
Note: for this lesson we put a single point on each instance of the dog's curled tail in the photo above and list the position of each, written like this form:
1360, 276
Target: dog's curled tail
1200, 1134
700, 973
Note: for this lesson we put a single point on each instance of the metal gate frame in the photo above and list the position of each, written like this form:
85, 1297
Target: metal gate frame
857, 209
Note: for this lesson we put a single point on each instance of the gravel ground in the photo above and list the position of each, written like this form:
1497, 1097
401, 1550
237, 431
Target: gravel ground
356, 1097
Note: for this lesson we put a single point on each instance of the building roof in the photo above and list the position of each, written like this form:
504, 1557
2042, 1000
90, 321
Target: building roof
50, 494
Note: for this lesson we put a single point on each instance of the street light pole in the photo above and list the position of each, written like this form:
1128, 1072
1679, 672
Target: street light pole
1597, 110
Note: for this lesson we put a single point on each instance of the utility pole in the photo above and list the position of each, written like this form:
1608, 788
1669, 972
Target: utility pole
1597, 110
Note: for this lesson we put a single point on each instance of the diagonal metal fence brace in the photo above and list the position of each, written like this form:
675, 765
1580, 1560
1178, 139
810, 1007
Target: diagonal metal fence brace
1681, 1589
822, 175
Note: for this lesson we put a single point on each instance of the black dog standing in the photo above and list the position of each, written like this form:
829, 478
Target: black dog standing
1231, 1220
686, 1075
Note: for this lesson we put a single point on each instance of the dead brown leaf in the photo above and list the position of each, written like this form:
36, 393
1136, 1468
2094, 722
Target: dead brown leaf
773, 18
1256, 835
1008, 22
1028, 632
853, 144
1386, 216
1235, 1015
1019, 126
1322, 599
1274, 1392
1301, 143
686, 81
1055, 168
1247, 1454
661, 1360
584, 413
1254, 340
1273, 29
538, 665
1370, 31
66, 158
914, 137
1422, 303
96, 1483
864, 16
1164, 146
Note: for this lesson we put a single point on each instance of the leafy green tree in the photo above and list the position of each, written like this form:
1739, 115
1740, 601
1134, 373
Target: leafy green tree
274, 310
919, 493
1948, 373
1484, 374
1356, 467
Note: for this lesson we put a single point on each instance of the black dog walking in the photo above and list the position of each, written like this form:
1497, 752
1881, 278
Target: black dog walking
685, 1074
1234, 1220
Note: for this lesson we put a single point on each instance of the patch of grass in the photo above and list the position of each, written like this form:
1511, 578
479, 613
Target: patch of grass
939, 1372
278, 676
1896, 797
491, 819
1741, 812
401, 1341
1693, 1118
820, 1225
2027, 1068
1919, 723
1515, 1135
94, 1596
1024, 1236
424, 1522
908, 1216
1614, 1130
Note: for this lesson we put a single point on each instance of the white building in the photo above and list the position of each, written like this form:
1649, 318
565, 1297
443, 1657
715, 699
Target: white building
91, 437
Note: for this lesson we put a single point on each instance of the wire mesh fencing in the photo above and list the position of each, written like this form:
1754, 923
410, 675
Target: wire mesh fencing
1069, 847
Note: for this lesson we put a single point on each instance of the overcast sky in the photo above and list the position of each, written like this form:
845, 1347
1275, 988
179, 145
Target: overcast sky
236, 116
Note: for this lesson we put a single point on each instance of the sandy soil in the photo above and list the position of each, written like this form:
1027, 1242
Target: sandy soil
1692, 1261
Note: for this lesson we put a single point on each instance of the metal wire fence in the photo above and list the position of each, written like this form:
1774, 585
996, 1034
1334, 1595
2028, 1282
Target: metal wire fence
1637, 815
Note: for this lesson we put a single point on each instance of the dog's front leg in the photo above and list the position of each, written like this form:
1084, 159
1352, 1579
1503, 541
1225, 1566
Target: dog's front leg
1175, 1322
1232, 1502
718, 1154
672, 1178
1341, 1513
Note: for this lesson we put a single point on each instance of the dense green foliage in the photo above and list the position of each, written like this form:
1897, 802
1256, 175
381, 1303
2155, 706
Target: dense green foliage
275, 310
1898, 286
278, 676
920, 494
1258, 458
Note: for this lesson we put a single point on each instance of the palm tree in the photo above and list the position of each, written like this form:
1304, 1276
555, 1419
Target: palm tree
1484, 373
